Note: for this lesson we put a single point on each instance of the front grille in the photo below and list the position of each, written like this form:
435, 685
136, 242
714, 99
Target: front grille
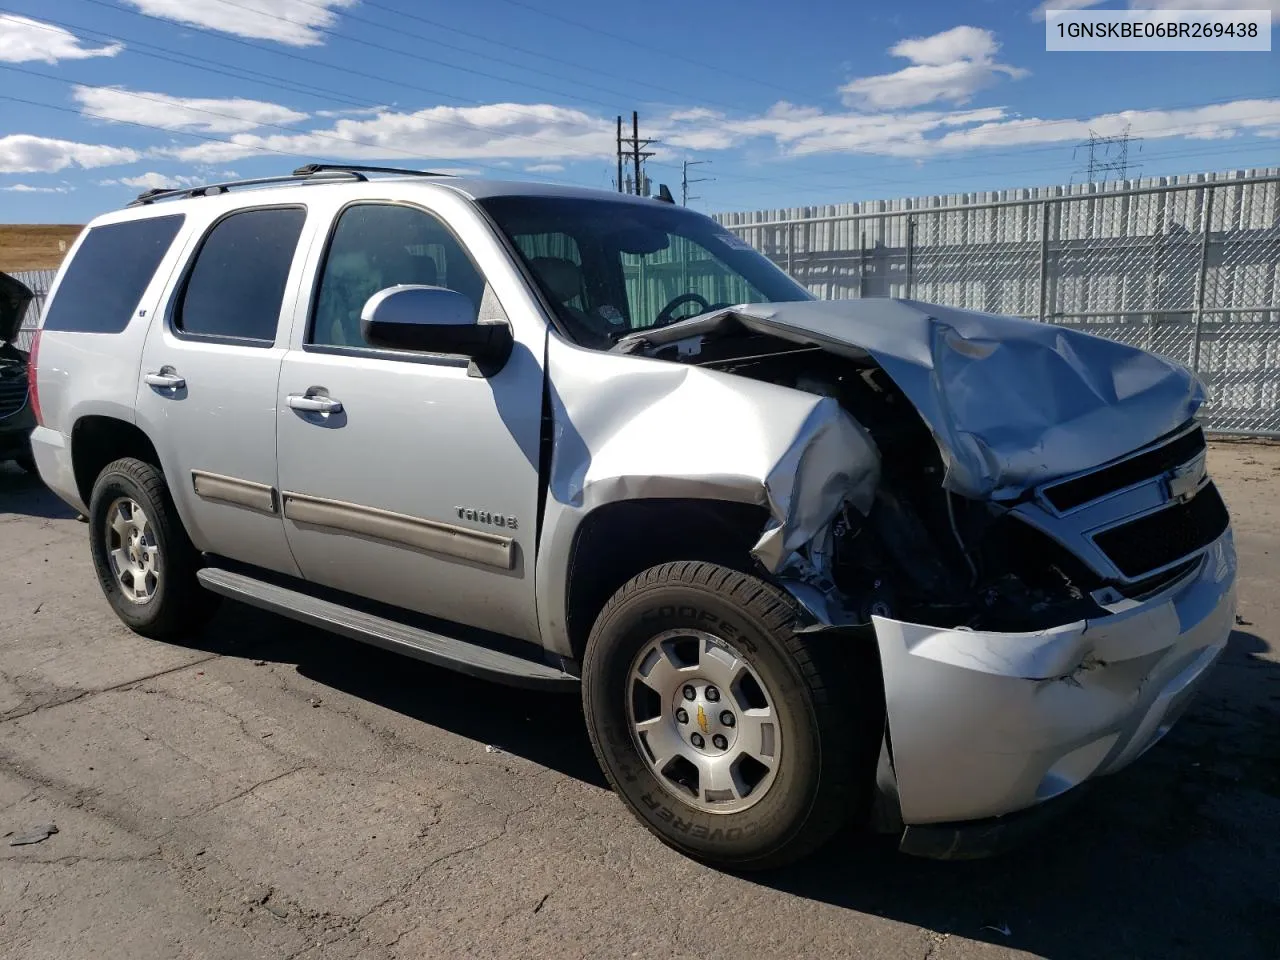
1166, 536
13, 395
1072, 493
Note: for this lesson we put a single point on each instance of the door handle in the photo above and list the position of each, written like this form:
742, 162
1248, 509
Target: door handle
165, 378
314, 404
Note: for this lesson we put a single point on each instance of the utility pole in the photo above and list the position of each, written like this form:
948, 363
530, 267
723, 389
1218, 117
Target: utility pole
635, 150
685, 181
1109, 154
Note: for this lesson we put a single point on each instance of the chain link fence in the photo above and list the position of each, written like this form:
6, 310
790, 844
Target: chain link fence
1189, 270
38, 282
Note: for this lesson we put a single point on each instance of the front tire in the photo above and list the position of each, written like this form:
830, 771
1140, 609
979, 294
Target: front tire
730, 737
145, 562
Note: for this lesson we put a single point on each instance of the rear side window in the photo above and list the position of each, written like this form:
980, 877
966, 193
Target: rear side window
236, 285
100, 291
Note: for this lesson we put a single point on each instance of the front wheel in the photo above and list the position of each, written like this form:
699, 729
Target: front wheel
730, 737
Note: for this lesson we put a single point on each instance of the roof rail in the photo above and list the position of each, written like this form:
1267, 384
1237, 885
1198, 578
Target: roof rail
311, 172
313, 168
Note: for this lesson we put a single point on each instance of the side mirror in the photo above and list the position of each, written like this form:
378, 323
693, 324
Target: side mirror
435, 320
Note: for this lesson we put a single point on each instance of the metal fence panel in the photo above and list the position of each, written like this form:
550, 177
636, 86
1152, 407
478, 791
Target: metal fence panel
1186, 267
38, 282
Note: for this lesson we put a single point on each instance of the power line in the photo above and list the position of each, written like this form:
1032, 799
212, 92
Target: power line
460, 124
229, 116
425, 59
148, 126
405, 14
465, 125
321, 63
645, 46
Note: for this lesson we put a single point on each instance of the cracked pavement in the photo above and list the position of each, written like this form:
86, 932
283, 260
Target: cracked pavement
269, 790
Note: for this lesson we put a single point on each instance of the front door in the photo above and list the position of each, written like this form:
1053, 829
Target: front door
209, 374
404, 478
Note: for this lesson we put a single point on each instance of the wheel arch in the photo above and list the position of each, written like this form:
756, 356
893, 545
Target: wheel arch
97, 440
617, 540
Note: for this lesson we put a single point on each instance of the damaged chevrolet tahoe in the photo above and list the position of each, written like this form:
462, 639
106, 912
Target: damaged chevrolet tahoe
810, 563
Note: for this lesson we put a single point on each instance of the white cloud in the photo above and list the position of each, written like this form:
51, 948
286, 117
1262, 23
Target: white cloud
1039, 12
28, 188
950, 66
532, 131
544, 168
352, 112
25, 40
25, 153
179, 113
915, 134
152, 181
297, 23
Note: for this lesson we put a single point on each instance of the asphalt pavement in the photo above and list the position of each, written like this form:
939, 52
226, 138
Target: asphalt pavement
269, 790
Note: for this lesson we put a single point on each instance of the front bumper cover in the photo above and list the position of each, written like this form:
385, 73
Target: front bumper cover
984, 724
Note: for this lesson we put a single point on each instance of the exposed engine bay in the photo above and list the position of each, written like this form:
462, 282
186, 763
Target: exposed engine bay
922, 553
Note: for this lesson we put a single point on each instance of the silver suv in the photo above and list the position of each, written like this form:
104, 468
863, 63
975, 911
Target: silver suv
810, 563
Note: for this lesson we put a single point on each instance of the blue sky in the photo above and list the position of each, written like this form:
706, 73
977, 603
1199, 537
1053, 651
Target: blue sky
798, 103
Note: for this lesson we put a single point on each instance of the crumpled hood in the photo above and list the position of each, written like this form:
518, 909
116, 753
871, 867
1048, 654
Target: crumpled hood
14, 300
1011, 402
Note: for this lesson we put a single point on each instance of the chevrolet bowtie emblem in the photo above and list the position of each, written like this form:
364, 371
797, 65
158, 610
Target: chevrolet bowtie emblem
702, 718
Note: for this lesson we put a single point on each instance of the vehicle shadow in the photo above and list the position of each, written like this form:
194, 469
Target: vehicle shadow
1177, 856
546, 728
25, 494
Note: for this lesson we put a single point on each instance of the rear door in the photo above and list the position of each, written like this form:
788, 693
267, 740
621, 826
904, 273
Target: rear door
209, 373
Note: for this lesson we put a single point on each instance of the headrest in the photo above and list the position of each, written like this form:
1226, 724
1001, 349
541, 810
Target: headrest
561, 277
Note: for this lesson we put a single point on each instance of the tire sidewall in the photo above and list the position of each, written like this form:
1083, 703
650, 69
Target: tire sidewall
111, 485
728, 838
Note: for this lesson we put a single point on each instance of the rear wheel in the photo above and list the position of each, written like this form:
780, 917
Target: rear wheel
726, 734
145, 562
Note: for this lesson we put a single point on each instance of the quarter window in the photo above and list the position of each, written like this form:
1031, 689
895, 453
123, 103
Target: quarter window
379, 245
236, 285
111, 270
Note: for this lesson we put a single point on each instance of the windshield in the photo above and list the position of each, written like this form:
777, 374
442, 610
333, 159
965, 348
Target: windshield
611, 268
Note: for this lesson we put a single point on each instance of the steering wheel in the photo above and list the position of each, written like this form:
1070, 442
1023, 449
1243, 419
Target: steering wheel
665, 314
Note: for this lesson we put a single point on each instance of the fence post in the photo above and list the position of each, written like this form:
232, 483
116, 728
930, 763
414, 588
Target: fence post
911, 232
1206, 213
1044, 260
862, 261
789, 245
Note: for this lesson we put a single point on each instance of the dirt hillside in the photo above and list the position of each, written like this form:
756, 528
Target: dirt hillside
29, 246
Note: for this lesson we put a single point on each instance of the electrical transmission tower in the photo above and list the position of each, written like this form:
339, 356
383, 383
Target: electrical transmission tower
635, 152
1109, 155
685, 196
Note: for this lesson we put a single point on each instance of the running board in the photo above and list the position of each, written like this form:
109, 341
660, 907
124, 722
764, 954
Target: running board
434, 648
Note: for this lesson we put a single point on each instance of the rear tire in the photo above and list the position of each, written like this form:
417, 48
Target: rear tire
795, 734
145, 562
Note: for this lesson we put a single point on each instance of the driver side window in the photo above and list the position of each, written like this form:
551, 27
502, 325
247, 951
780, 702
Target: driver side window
380, 245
